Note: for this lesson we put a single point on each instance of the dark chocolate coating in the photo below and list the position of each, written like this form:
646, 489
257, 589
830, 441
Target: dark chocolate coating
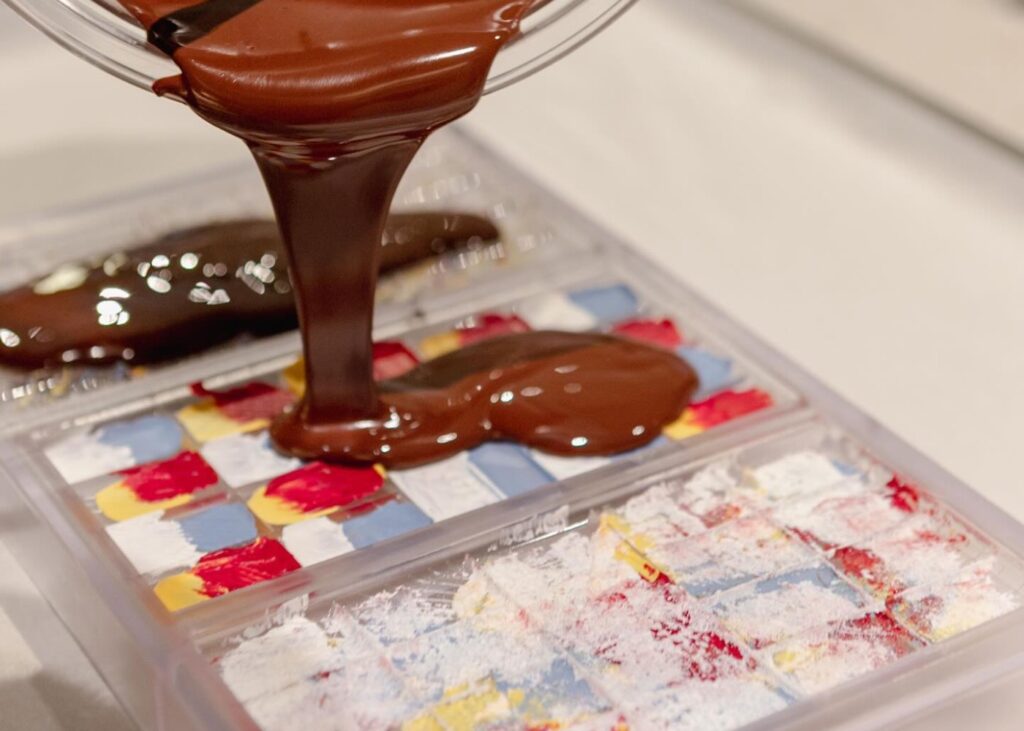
564, 393
191, 290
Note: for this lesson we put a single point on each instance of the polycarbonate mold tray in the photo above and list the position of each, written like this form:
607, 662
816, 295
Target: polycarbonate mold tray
94, 477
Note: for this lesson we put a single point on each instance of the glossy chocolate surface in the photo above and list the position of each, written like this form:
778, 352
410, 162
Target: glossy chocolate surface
564, 393
188, 291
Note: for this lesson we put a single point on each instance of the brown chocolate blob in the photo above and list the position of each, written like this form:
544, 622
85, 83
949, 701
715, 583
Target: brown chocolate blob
334, 97
188, 291
565, 393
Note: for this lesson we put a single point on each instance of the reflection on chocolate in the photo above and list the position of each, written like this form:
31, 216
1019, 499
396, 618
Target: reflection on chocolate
188, 291
565, 393
334, 99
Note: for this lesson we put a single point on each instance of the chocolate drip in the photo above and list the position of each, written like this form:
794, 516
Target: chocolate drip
334, 99
314, 205
565, 393
188, 291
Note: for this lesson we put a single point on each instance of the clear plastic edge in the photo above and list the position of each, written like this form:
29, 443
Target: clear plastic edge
166, 653
139, 658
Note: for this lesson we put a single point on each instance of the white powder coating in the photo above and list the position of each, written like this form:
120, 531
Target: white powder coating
822, 659
536, 526
555, 578
569, 622
646, 639
555, 311
712, 491
358, 697
730, 554
153, 545
820, 669
296, 607
316, 540
470, 650
711, 481
844, 514
629, 635
556, 583
286, 655
296, 677
646, 535
562, 468
479, 598
763, 616
308, 704
922, 551
83, 456
245, 459
405, 614
301, 674
658, 506
445, 489
941, 612
799, 473
725, 704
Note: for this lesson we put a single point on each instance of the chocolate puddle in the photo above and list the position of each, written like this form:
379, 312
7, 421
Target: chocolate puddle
188, 291
334, 99
564, 393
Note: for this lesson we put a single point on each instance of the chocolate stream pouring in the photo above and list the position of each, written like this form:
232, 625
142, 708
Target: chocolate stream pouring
334, 98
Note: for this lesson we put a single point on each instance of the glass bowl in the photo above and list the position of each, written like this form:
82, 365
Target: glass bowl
103, 33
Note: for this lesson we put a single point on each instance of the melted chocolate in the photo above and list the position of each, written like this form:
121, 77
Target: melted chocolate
565, 393
334, 99
188, 291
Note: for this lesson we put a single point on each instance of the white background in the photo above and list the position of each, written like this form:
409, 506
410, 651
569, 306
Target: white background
878, 245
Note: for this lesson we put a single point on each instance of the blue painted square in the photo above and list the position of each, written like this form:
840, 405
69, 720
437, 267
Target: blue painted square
609, 304
219, 527
389, 520
149, 438
509, 468
714, 372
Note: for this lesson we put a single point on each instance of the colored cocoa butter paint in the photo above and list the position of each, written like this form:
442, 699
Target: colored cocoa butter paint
318, 486
231, 569
182, 474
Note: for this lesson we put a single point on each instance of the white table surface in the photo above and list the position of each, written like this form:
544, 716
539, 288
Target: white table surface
872, 242
966, 56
